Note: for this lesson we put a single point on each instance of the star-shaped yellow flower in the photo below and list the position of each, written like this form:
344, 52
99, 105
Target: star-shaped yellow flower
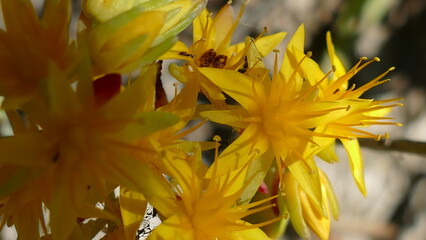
212, 48
77, 149
206, 208
277, 117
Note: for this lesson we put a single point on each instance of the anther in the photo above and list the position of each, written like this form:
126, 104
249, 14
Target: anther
391, 69
276, 51
309, 54
386, 135
333, 68
175, 85
376, 59
217, 138
229, 2
378, 137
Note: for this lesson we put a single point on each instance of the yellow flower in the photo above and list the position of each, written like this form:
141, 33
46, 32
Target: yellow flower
77, 146
206, 209
28, 45
212, 48
359, 113
277, 119
293, 117
126, 35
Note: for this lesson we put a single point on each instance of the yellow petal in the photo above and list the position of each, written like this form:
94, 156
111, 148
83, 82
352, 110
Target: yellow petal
296, 42
292, 201
340, 69
356, 163
307, 178
256, 173
250, 94
325, 184
146, 123
223, 23
252, 143
268, 43
104, 10
254, 58
179, 15
175, 227
311, 70
231, 118
199, 25
175, 52
250, 234
132, 207
135, 174
183, 105
121, 40
319, 223
125, 104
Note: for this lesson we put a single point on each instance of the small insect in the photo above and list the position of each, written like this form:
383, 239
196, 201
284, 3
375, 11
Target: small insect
245, 66
219, 61
186, 54
207, 58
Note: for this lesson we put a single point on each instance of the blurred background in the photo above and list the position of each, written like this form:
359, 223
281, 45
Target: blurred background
394, 31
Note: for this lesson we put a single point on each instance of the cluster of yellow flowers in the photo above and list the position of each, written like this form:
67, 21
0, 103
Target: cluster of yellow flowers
95, 139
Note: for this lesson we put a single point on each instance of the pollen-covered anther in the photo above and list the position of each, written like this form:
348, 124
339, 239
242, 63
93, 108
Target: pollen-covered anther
309, 54
377, 59
378, 137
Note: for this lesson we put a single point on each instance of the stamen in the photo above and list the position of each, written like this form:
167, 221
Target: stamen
386, 135
217, 139
366, 64
265, 30
188, 131
227, 39
291, 81
311, 89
